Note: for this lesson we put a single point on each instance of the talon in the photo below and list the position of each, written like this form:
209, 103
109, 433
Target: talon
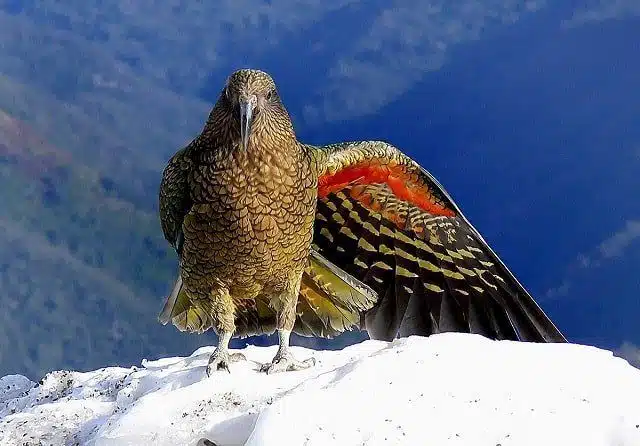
220, 360
287, 363
235, 357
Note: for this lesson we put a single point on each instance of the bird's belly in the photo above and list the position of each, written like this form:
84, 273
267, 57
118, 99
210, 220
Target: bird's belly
249, 243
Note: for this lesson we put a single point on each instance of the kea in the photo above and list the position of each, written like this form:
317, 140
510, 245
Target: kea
273, 234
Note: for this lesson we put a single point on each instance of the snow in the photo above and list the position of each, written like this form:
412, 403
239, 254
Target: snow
448, 389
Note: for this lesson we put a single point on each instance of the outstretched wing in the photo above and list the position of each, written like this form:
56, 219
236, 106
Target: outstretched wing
386, 221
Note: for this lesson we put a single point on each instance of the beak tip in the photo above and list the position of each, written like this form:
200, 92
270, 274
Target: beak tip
246, 119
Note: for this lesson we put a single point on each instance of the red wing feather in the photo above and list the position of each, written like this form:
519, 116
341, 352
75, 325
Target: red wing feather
403, 185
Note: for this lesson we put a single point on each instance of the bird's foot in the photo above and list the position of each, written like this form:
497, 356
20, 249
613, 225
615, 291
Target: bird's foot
285, 362
220, 360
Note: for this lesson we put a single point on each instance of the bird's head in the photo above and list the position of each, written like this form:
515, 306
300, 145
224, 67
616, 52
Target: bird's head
251, 99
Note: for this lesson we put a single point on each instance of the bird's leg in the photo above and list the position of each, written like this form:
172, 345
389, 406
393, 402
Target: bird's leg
223, 312
284, 361
221, 358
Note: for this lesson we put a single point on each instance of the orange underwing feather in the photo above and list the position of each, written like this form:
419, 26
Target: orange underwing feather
402, 185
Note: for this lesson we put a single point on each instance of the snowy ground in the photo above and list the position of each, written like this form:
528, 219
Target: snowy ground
450, 389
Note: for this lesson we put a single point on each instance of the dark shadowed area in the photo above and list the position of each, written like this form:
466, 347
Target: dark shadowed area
526, 111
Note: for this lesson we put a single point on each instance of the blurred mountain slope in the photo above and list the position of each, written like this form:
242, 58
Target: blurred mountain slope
72, 262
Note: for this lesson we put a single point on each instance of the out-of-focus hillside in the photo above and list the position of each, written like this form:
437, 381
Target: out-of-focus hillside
81, 271
77, 207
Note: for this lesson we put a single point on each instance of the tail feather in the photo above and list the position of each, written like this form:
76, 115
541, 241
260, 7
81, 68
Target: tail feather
185, 315
330, 300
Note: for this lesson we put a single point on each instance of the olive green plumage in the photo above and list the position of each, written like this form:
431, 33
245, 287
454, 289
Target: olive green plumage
276, 234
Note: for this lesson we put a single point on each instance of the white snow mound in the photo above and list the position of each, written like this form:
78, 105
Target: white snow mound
448, 389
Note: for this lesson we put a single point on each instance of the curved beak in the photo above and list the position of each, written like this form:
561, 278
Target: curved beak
247, 106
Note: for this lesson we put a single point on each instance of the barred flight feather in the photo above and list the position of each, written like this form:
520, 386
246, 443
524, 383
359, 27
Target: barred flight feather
429, 267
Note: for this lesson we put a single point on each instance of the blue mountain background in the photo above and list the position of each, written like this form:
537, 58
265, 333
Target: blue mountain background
526, 111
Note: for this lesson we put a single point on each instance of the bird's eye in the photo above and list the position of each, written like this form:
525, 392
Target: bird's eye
270, 95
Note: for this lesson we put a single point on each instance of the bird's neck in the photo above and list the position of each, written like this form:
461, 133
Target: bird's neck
268, 141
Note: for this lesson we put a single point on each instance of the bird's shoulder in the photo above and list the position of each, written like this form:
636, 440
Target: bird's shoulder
195, 159
331, 158
351, 162
179, 163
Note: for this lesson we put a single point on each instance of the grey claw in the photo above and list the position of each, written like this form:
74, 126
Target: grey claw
220, 360
235, 357
287, 363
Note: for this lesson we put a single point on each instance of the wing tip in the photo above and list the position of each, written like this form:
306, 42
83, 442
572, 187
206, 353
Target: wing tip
167, 310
